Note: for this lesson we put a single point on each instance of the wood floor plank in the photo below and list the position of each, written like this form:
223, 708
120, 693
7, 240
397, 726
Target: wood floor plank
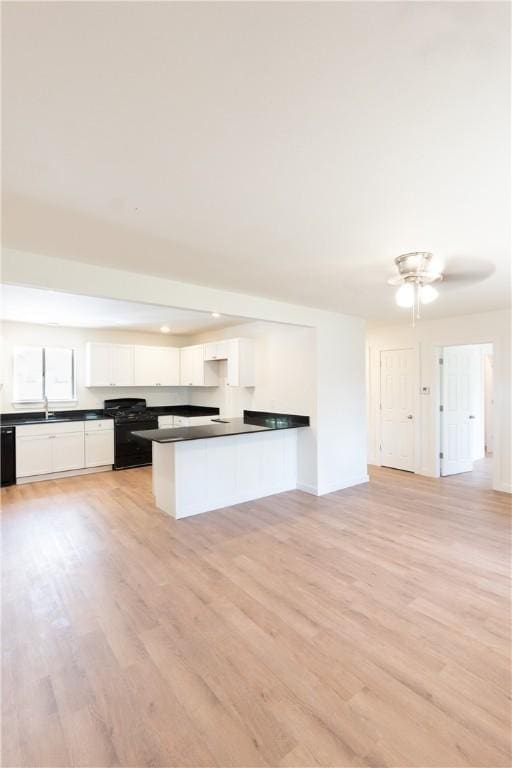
369, 627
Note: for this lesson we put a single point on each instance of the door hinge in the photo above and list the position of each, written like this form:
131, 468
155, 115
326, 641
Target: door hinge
441, 455
441, 361
380, 406
441, 407
380, 446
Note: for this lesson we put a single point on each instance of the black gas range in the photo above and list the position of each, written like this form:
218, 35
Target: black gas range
130, 413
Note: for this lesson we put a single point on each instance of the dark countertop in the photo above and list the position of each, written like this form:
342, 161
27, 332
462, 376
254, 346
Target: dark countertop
37, 417
252, 421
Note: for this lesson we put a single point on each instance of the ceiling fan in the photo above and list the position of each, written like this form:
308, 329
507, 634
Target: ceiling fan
417, 272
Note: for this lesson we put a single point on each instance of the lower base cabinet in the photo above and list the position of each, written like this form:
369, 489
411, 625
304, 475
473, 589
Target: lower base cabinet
67, 451
42, 449
33, 455
99, 448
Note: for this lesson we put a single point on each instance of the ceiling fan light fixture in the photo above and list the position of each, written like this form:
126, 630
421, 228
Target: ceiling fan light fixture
404, 296
428, 294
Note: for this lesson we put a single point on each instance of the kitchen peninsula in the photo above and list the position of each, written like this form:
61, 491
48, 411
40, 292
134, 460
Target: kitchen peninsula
195, 471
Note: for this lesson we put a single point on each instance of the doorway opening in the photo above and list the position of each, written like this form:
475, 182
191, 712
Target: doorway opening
466, 411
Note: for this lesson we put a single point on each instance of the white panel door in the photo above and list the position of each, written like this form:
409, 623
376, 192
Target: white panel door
397, 387
458, 372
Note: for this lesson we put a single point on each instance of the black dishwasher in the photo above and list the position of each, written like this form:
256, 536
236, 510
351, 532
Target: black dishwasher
8, 455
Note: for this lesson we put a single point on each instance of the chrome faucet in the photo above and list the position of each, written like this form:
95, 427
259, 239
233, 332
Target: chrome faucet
46, 411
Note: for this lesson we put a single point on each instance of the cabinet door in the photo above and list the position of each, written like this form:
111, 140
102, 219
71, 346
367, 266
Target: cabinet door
99, 448
192, 366
122, 365
146, 368
216, 350
240, 363
168, 367
222, 350
33, 455
98, 369
67, 451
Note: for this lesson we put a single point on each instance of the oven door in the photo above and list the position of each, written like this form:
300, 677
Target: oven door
129, 451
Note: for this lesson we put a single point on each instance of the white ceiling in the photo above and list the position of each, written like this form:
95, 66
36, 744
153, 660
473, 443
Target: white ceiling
31, 305
283, 149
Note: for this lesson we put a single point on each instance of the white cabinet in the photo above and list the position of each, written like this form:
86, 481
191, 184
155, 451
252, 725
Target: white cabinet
67, 451
156, 366
192, 421
216, 350
45, 448
33, 455
165, 422
99, 447
193, 372
240, 368
109, 365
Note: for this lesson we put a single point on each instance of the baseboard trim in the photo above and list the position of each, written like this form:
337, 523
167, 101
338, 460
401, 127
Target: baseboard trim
504, 488
341, 485
332, 487
61, 475
312, 489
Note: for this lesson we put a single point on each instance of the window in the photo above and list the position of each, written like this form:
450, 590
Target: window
43, 371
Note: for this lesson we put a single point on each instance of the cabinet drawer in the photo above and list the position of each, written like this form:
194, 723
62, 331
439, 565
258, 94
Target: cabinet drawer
101, 425
164, 422
59, 428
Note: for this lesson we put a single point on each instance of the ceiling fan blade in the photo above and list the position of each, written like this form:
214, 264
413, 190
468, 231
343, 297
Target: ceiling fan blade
462, 272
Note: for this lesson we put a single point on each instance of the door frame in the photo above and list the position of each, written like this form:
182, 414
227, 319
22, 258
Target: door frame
416, 349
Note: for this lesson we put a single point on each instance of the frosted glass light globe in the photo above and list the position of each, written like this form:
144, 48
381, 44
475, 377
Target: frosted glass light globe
404, 297
428, 294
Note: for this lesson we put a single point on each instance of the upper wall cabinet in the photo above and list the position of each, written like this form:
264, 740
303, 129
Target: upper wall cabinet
109, 365
156, 366
241, 369
193, 371
216, 350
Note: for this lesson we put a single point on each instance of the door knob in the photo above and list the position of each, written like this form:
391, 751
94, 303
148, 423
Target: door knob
410, 416
471, 416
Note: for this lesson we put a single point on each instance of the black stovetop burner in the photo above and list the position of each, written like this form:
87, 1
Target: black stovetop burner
124, 409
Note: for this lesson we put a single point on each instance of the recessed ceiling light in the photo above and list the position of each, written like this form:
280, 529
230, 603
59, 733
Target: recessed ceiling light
215, 314
165, 329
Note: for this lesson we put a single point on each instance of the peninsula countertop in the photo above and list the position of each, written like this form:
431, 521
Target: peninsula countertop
252, 421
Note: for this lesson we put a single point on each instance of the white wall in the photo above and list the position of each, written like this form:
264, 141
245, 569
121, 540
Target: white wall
427, 338
26, 334
332, 455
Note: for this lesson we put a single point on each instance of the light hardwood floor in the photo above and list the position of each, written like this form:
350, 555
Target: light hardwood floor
369, 627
